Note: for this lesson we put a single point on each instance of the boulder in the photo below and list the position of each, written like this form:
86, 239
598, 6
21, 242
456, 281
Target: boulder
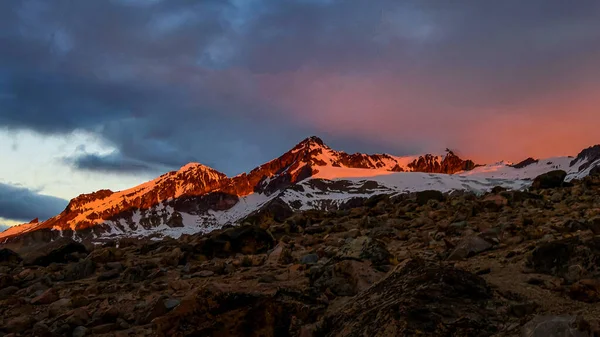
587, 290
46, 297
561, 258
417, 298
9, 257
345, 278
104, 255
552, 179
309, 259
234, 310
553, 326
19, 324
79, 270
59, 251
424, 196
366, 248
468, 247
281, 254
80, 331
6, 281
246, 239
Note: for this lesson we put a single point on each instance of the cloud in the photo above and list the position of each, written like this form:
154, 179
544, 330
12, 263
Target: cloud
235, 83
110, 163
22, 204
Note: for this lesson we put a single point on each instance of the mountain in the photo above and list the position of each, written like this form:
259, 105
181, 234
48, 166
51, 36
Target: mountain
197, 198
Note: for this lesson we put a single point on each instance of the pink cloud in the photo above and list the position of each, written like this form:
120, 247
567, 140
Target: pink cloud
433, 114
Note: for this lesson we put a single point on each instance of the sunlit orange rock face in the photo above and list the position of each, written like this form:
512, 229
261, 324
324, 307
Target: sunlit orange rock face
196, 187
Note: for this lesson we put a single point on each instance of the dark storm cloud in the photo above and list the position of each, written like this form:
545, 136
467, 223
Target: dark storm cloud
22, 204
171, 81
109, 163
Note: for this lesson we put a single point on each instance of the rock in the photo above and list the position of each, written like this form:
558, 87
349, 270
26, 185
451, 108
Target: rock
46, 297
41, 329
155, 309
114, 266
104, 328
315, 229
19, 324
587, 290
134, 274
552, 326
77, 317
80, 270
570, 258
8, 257
368, 249
59, 251
231, 310
109, 275
496, 200
8, 291
57, 307
552, 179
203, 273
80, 331
243, 239
571, 226
6, 280
468, 247
416, 298
424, 196
594, 225
171, 303
281, 254
309, 259
345, 278
79, 301
523, 309
104, 255
460, 225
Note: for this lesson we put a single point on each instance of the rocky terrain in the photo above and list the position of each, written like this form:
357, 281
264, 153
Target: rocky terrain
506, 263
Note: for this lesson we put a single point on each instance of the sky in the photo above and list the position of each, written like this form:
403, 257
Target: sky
108, 94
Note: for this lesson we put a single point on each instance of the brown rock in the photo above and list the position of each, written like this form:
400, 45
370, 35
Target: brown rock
19, 324
417, 298
552, 326
468, 247
78, 317
59, 306
8, 257
59, 251
104, 255
47, 297
587, 290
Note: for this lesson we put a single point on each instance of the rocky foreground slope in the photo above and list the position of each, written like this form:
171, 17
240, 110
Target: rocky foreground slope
506, 263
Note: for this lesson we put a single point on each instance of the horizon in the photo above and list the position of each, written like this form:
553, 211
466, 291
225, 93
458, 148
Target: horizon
108, 95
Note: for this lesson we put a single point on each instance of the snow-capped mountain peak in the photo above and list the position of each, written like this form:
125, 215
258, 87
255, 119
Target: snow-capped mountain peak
198, 198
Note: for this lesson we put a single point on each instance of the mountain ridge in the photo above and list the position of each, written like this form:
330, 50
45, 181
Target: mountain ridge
207, 198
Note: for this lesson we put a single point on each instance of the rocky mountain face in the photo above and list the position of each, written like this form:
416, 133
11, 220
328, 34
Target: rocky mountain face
503, 263
198, 189
587, 157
